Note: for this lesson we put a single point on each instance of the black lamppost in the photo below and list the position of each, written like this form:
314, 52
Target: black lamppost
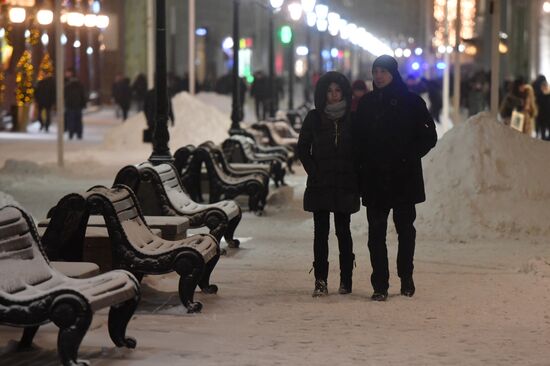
290, 50
161, 152
236, 112
272, 86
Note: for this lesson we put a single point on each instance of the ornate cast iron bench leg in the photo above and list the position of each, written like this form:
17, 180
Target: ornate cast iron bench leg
204, 283
190, 272
119, 316
26, 339
73, 317
230, 231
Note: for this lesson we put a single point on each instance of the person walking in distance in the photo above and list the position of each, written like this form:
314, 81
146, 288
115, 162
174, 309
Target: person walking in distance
325, 150
75, 102
393, 131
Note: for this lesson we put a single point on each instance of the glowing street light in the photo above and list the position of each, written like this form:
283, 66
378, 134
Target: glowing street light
546, 7
90, 20
321, 11
311, 19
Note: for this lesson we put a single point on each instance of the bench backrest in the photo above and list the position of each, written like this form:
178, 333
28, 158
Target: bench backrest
172, 186
247, 145
22, 262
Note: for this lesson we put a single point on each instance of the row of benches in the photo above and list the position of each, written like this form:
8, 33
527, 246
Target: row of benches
33, 291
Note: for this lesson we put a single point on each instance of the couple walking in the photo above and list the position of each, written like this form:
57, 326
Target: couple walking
375, 156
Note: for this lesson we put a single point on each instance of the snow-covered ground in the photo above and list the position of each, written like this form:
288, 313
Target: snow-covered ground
482, 264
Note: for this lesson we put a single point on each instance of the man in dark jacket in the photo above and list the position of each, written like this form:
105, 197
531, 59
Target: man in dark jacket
44, 95
393, 131
75, 102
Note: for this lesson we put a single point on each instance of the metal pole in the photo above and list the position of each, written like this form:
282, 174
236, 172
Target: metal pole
161, 152
291, 74
446, 72
191, 47
307, 84
495, 56
59, 69
272, 88
456, 86
236, 103
150, 44
321, 53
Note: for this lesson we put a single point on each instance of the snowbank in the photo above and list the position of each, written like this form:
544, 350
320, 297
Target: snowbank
484, 179
196, 122
6, 199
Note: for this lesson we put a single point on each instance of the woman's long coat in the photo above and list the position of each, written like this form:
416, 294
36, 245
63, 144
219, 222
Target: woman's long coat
325, 149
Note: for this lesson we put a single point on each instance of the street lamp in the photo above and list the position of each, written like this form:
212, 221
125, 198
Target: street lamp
17, 15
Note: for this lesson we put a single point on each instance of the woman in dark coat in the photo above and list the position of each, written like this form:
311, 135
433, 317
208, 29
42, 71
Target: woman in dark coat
393, 131
325, 149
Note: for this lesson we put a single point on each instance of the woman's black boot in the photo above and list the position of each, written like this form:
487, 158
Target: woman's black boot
346, 273
321, 274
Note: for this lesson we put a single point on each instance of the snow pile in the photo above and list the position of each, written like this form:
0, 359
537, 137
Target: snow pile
484, 179
223, 103
6, 199
196, 122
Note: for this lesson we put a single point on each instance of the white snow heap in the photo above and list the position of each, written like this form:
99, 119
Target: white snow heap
484, 179
196, 122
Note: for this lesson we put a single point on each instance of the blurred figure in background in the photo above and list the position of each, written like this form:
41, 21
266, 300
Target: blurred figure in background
75, 102
139, 89
542, 97
122, 94
358, 89
44, 95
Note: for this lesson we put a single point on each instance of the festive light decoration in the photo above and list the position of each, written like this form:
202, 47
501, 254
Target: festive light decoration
46, 67
24, 92
467, 19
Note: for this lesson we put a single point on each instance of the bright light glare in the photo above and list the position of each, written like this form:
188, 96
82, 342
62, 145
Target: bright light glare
90, 20
308, 5
334, 52
418, 51
302, 51
415, 66
45, 39
76, 44
322, 25
75, 19
102, 21
546, 7
407, 52
17, 15
44, 16
321, 11
227, 43
295, 10
398, 52
276, 4
441, 65
63, 39
311, 19
89, 51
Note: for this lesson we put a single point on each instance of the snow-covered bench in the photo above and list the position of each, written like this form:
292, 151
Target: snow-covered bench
134, 247
32, 293
243, 149
160, 192
222, 185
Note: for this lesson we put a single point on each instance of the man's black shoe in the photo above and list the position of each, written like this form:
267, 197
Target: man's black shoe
379, 296
407, 287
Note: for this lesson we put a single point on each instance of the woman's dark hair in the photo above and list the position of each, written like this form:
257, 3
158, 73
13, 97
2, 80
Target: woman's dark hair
324, 82
516, 85
537, 85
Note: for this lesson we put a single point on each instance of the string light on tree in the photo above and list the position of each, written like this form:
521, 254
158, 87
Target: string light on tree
24, 70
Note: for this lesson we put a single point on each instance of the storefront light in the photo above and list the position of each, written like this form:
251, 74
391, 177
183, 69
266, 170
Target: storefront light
322, 25
96, 7
44, 16
2, 32
418, 51
302, 51
77, 44
89, 51
63, 39
546, 7
17, 15
407, 52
